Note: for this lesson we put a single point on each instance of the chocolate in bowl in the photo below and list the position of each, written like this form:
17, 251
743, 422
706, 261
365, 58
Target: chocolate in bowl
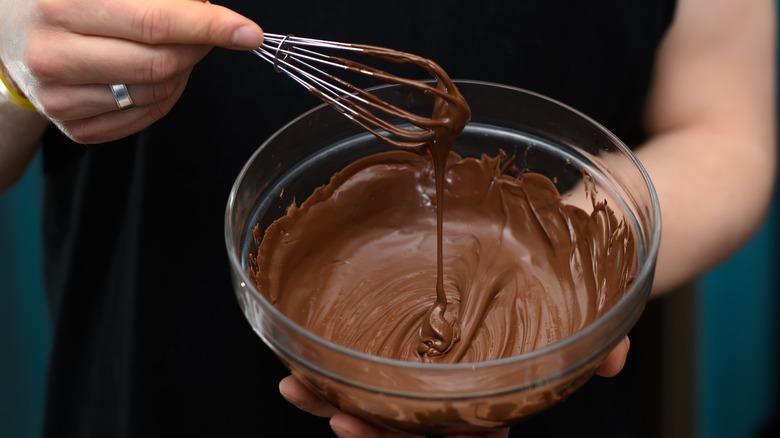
435, 398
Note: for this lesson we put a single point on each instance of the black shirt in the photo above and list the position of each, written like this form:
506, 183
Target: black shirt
149, 338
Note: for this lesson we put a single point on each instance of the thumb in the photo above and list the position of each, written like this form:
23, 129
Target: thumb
153, 22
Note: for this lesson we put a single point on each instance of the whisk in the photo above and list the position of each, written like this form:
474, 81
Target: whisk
309, 63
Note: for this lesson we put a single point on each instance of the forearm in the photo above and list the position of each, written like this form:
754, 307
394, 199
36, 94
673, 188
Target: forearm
21, 126
711, 153
20, 133
709, 209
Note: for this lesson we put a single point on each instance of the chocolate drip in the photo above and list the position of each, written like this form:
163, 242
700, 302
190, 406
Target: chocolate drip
435, 135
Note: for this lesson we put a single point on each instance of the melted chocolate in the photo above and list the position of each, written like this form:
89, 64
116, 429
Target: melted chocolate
355, 262
358, 261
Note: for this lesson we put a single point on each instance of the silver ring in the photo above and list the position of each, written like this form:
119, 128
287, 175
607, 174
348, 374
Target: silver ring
121, 96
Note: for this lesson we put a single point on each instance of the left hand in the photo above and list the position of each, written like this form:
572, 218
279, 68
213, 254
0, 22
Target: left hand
345, 425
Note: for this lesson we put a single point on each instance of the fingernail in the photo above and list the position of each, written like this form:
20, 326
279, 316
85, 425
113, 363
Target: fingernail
249, 37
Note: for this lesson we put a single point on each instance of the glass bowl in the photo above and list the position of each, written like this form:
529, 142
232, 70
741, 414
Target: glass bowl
546, 137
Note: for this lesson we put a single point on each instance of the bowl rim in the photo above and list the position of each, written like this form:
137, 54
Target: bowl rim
614, 314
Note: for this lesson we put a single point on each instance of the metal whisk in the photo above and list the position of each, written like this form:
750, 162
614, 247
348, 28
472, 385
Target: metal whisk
307, 61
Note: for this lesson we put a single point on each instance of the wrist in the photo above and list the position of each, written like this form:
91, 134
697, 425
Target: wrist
10, 91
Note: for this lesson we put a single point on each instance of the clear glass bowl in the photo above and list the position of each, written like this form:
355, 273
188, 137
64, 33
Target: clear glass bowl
547, 137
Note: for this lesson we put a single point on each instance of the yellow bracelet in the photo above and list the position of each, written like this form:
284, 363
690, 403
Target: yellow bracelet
13, 96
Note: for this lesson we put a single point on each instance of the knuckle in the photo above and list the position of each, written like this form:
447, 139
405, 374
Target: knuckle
41, 65
51, 11
80, 132
53, 107
164, 91
150, 21
162, 67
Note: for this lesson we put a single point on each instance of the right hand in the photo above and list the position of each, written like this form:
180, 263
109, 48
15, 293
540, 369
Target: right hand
62, 54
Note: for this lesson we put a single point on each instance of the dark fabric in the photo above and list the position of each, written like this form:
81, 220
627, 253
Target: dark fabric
149, 338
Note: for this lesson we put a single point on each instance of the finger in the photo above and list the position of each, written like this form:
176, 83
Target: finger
347, 426
116, 124
107, 127
73, 59
69, 103
297, 394
616, 359
157, 22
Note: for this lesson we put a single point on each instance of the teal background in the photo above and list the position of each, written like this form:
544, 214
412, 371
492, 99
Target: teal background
25, 331
739, 339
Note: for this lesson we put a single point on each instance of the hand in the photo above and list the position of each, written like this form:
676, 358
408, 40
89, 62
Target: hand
62, 54
345, 425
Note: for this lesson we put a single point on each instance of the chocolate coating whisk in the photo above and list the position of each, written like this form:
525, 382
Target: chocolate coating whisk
317, 65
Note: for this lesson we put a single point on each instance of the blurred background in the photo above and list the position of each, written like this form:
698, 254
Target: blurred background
720, 354
25, 331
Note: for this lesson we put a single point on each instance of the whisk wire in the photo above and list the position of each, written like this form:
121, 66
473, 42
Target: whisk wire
293, 56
